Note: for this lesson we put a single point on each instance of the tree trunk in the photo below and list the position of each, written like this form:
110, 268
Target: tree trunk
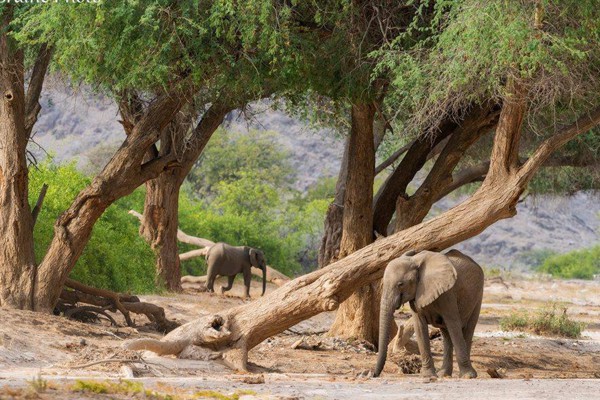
19, 109
357, 317
332, 236
411, 210
161, 206
396, 184
159, 227
17, 259
120, 177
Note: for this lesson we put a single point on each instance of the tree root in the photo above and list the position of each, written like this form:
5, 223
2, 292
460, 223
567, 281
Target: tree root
102, 300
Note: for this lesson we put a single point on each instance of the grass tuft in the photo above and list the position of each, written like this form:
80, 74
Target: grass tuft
551, 321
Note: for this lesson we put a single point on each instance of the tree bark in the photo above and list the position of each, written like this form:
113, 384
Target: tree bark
160, 223
123, 173
411, 210
397, 183
356, 318
18, 112
329, 251
235, 331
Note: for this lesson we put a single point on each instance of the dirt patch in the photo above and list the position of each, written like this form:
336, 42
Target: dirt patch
31, 343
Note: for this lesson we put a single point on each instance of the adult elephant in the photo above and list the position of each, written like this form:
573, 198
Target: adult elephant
226, 260
443, 290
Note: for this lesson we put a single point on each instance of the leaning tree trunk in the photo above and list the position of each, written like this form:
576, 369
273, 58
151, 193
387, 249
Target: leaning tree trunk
357, 316
235, 331
121, 176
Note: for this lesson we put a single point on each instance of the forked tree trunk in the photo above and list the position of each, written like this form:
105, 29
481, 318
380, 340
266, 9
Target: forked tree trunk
120, 177
354, 318
161, 206
411, 210
235, 331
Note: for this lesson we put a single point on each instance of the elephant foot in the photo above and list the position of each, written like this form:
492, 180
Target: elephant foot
428, 373
469, 373
445, 373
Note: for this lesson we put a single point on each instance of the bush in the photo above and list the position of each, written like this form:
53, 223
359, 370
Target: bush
240, 192
579, 264
288, 232
552, 321
116, 257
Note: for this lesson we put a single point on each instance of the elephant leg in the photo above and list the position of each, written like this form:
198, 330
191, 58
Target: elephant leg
469, 328
448, 349
422, 332
210, 279
247, 280
458, 341
229, 284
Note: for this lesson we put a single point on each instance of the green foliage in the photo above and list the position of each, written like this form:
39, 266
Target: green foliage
551, 321
116, 257
515, 321
579, 264
229, 158
480, 45
147, 45
240, 193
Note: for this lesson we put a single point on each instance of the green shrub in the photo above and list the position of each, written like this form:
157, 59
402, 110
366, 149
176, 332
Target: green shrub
551, 321
240, 192
579, 264
116, 257
517, 321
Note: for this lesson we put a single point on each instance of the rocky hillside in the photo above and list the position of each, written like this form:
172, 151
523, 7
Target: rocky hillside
83, 127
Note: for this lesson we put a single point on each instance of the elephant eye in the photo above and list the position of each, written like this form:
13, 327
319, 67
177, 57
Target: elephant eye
400, 284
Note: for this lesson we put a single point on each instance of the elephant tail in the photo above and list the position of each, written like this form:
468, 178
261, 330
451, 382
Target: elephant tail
159, 347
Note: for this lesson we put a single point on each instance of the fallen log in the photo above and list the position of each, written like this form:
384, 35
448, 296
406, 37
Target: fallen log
77, 292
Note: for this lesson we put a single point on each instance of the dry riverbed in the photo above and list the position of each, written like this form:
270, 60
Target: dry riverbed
45, 356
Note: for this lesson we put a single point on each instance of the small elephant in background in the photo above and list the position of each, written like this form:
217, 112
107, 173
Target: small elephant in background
226, 260
443, 290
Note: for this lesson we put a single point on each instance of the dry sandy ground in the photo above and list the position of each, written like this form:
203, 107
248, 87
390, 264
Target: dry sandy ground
54, 348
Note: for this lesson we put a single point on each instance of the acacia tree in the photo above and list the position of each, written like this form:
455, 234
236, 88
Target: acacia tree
169, 62
19, 109
530, 68
355, 30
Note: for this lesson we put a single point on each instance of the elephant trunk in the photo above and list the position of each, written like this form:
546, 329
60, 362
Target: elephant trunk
386, 316
264, 280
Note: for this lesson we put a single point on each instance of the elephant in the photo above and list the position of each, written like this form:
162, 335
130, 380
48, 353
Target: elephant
443, 290
223, 259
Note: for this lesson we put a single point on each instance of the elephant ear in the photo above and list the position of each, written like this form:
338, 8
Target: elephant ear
253, 253
436, 276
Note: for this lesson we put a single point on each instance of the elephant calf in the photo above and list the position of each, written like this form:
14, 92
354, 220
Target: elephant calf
443, 290
226, 260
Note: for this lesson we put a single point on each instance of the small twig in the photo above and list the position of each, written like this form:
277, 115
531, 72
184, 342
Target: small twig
112, 334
